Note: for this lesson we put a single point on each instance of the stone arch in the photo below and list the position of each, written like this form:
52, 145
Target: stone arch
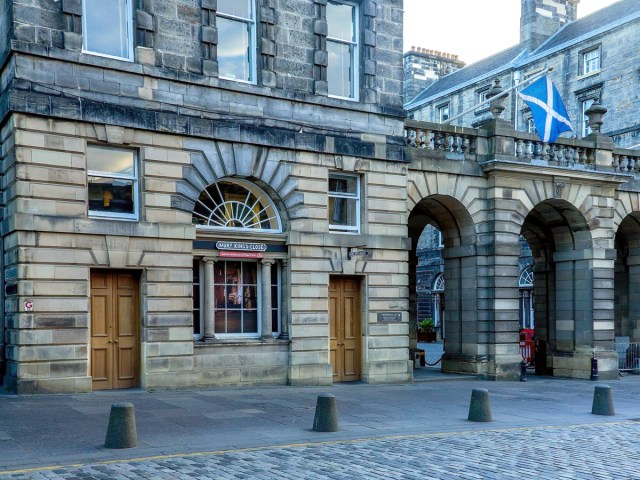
627, 278
213, 160
454, 221
561, 243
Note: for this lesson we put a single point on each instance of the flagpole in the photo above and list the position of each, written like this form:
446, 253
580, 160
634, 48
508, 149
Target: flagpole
500, 95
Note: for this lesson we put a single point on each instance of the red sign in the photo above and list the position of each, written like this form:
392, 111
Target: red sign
231, 254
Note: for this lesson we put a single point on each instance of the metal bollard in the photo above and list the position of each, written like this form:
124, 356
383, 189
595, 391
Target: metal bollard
121, 432
479, 408
602, 401
594, 368
523, 371
326, 417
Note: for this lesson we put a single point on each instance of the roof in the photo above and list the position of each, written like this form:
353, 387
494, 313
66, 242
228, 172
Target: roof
471, 72
591, 25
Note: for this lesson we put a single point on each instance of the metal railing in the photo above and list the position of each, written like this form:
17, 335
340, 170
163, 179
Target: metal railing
628, 356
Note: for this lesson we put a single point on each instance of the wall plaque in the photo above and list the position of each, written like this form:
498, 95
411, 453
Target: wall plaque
389, 317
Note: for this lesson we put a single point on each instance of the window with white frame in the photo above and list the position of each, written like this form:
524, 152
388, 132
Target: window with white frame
586, 105
591, 61
240, 208
525, 284
481, 100
237, 297
236, 23
342, 49
107, 28
443, 113
344, 203
531, 126
112, 178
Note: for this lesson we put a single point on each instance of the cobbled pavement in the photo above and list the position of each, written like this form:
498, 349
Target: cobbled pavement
589, 452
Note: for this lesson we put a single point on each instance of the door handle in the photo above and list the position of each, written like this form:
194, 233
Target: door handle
109, 341
116, 341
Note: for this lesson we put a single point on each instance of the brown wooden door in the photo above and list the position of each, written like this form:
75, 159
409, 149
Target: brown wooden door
114, 330
344, 319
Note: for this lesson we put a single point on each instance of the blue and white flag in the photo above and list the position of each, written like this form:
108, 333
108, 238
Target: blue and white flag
548, 111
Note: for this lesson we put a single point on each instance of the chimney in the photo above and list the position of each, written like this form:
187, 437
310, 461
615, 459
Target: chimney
539, 19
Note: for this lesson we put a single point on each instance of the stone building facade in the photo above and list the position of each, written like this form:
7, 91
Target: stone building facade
593, 58
202, 193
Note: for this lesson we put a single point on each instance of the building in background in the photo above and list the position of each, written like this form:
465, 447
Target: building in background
593, 58
422, 67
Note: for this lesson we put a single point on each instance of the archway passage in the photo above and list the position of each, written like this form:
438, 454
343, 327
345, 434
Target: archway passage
561, 247
456, 239
626, 284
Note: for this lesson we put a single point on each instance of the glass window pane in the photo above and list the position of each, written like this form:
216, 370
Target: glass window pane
234, 54
250, 297
218, 294
234, 297
250, 273
234, 321
196, 322
220, 324
237, 8
274, 321
250, 324
340, 21
343, 212
111, 195
105, 27
233, 273
218, 272
343, 185
339, 69
111, 160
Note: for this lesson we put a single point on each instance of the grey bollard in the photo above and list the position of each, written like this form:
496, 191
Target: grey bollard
121, 432
602, 401
326, 418
479, 408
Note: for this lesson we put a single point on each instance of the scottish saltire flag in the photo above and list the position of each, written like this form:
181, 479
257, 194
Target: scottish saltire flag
548, 111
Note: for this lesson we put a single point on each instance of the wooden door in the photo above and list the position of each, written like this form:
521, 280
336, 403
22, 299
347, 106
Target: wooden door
344, 319
114, 330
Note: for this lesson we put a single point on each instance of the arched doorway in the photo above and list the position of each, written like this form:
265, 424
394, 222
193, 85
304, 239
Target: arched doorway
561, 249
449, 218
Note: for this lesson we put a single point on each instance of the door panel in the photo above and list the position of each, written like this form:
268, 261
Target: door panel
114, 330
345, 340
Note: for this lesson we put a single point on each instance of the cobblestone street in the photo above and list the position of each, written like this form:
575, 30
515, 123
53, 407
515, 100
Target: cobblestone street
603, 451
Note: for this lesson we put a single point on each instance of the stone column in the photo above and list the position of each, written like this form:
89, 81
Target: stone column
266, 298
284, 300
209, 300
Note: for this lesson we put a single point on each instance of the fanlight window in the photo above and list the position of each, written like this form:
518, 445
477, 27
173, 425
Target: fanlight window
438, 284
236, 205
526, 278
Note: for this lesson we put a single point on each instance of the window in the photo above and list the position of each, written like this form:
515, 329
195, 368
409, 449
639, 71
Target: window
344, 203
236, 24
237, 299
443, 113
481, 101
107, 28
531, 126
590, 61
236, 205
113, 182
525, 283
342, 49
586, 104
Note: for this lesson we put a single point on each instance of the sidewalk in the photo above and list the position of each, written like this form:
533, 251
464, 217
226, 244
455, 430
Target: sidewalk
67, 429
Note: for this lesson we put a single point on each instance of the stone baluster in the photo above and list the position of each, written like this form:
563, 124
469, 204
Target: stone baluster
615, 163
584, 159
438, 141
545, 151
624, 164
